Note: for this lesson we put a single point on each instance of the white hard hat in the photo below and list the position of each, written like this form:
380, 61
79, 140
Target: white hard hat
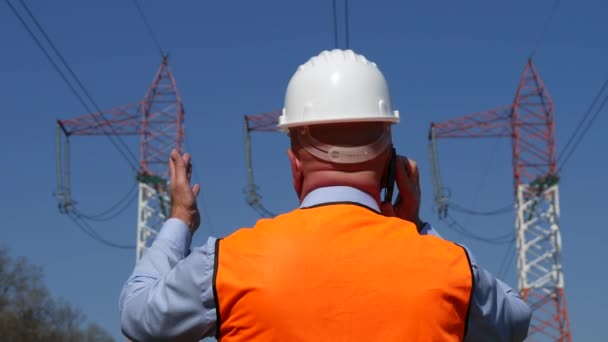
337, 86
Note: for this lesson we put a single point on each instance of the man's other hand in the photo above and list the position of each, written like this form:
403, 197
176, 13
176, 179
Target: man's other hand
183, 197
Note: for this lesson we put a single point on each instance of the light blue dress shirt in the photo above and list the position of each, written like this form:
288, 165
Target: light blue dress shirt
169, 296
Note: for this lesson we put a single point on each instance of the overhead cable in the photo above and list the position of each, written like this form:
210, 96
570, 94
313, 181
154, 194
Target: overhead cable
506, 261
116, 209
502, 210
346, 25
88, 230
151, 33
335, 25
575, 137
128, 155
545, 27
486, 171
460, 229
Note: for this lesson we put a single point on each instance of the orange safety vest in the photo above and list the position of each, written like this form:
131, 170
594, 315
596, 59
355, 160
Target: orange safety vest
340, 272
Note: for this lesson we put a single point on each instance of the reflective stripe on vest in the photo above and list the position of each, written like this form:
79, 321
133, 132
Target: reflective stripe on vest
340, 272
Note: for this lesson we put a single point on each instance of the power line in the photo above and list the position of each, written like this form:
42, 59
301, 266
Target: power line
88, 230
346, 26
545, 27
502, 210
121, 210
582, 120
56, 67
132, 160
116, 209
75, 217
335, 25
579, 137
459, 228
148, 27
506, 261
82, 87
489, 163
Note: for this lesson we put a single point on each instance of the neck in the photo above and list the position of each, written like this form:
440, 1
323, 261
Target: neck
363, 180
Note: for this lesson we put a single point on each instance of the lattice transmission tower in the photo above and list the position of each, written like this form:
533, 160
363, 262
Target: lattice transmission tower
158, 120
529, 122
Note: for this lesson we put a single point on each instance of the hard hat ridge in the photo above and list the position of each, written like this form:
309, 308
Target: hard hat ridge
337, 86
336, 56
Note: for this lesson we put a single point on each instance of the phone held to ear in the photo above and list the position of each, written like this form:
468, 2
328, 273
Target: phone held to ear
390, 177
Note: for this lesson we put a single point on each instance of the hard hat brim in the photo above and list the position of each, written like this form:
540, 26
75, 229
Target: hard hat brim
285, 126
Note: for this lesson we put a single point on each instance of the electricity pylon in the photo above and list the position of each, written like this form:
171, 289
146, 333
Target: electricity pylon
529, 122
158, 120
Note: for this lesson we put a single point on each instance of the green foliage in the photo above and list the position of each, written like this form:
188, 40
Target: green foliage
29, 313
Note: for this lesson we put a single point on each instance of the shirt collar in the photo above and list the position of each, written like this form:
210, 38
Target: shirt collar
333, 194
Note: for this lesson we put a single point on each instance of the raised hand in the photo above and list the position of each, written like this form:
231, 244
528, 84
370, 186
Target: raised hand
183, 197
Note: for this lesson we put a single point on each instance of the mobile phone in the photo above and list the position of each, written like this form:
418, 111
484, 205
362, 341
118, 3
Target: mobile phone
390, 177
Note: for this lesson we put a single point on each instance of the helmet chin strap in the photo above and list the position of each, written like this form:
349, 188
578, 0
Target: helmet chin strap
342, 154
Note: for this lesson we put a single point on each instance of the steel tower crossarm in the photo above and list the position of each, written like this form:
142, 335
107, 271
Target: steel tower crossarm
123, 120
265, 122
494, 123
487, 124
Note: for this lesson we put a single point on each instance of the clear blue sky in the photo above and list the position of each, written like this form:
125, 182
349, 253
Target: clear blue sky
442, 59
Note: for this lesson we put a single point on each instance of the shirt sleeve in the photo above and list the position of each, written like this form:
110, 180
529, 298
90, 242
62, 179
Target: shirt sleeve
497, 312
169, 296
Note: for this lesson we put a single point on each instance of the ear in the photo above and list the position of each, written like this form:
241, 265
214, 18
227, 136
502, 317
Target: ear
296, 172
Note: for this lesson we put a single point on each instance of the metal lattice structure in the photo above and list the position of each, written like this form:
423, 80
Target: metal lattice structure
158, 119
266, 122
529, 122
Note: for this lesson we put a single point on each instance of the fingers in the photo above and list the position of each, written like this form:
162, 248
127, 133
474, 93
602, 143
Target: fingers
187, 161
172, 166
179, 168
413, 169
415, 180
408, 200
412, 172
402, 176
186, 157
406, 173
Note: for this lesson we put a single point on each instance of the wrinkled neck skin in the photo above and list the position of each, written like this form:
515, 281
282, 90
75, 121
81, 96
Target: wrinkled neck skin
310, 173
365, 181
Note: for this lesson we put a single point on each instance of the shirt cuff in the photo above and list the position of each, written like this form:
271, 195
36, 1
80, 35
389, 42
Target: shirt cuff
176, 232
